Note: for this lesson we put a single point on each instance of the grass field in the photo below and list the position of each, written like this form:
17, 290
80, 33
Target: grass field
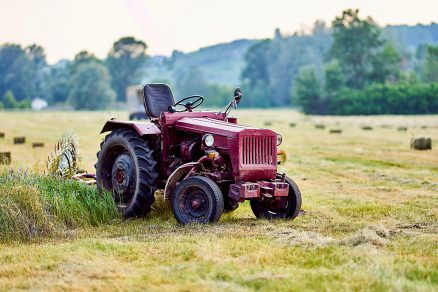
370, 220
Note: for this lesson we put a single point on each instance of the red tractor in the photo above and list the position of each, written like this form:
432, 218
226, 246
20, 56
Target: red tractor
205, 162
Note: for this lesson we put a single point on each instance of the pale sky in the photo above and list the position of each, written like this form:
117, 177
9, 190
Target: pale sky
65, 27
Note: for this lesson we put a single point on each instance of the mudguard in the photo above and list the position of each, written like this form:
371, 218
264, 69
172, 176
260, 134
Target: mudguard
142, 128
175, 177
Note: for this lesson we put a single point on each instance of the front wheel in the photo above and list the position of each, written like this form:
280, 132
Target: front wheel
197, 199
281, 207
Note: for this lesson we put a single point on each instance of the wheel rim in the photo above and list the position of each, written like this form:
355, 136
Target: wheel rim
120, 176
276, 206
194, 204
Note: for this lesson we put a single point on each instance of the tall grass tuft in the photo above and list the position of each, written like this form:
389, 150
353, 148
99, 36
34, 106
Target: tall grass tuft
33, 205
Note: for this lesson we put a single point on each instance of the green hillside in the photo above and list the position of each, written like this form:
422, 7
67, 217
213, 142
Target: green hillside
223, 63
220, 63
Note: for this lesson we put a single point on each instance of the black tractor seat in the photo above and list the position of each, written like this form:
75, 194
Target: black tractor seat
157, 99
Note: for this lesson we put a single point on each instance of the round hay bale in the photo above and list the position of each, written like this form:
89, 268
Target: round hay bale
2, 135
319, 126
421, 143
5, 158
292, 125
268, 123
367, 128
19, 140
37, 145
335, 131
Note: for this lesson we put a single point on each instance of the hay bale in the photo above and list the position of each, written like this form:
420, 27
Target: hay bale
268, 123
335, 131
38, 145
5, 158
292, 125
402, 129
421, 143
367, 128
19, 140
424, 127
2, 135
319, 126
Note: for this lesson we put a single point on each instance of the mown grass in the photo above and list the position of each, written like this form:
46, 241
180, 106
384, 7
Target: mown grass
370, 222
32, 205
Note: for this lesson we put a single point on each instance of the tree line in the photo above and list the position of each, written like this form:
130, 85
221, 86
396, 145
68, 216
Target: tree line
351, 68
85, 83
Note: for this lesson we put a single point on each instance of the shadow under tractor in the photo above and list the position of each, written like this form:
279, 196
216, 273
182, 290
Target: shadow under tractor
203, 160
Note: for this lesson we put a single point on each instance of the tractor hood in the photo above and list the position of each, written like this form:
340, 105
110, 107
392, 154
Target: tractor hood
218, 127
252, 151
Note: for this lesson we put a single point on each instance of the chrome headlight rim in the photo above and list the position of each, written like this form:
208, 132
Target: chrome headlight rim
208, 140
279, 139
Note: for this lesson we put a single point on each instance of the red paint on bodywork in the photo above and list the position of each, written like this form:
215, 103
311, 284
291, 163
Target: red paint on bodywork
142, 128
253, 151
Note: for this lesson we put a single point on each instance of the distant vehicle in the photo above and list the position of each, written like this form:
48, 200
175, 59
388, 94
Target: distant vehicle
203, 160
134, 98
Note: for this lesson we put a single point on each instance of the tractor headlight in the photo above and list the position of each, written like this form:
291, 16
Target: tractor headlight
208, 140
279, 139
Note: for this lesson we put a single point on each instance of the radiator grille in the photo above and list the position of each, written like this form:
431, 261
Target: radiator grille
258, 150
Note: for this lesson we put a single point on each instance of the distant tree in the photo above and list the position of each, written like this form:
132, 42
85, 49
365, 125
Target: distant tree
307, 91
190, 81
82, 57
60, 77
90, 87
17, 72
36, 54
430, 69
41, 78
255, 75
386, 65
9, 100
334, 79
356, 43
124, 62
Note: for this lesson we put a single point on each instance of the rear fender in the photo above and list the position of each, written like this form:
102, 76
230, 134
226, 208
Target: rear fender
141, 128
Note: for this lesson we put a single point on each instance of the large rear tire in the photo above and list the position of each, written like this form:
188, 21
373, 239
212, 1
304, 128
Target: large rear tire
197, 199
279, 208
126, 167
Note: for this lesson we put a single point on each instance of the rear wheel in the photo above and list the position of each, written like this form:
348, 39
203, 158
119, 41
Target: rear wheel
281, 207
126, 168
197, 199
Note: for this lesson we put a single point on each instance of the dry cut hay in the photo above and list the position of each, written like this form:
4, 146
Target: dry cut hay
37, 145
64, 160
5, 158
319, 126
421, 143
335, 131
19, 140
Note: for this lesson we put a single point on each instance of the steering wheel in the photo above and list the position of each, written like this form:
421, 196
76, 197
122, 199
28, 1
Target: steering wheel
188, 106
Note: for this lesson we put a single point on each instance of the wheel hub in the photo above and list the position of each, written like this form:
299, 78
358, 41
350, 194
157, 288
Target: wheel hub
122, 174
196, 204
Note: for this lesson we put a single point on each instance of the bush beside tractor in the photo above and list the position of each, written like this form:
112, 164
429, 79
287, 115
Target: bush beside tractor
205, 162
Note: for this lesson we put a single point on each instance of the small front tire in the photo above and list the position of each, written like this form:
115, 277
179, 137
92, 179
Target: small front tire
281, 207
197, 199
